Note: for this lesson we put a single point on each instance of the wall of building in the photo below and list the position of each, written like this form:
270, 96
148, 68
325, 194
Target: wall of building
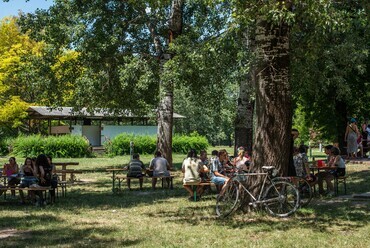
97, 136
109, 132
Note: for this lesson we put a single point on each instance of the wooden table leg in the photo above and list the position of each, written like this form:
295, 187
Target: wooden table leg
113, 181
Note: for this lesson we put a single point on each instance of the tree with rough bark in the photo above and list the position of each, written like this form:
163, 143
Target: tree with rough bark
165, 108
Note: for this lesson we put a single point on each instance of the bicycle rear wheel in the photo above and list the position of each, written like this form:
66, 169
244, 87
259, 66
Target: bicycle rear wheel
227, 202
305, 192
281, 199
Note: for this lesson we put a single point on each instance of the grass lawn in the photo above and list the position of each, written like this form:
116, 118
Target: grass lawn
91, 216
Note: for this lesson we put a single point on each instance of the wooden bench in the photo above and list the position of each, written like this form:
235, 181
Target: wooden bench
195, 185
43, 189
63, 174
64, 166
337, 181
63, 186
163, 178
121, 178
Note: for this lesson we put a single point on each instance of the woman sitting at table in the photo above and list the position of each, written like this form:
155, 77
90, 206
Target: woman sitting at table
191, 167
11, 171
46, 171
241, 162
54, 179
301, 164
337, 168
29, 178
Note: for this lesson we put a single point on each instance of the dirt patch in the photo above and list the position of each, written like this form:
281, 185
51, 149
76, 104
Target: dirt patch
6, 233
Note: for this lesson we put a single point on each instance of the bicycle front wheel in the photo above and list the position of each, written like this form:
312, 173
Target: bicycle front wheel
281, 199
227, 201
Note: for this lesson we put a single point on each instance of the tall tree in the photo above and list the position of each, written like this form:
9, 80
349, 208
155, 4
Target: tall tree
273, 95
245, 103
165, 109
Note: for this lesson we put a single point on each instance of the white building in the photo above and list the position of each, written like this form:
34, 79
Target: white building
97, 126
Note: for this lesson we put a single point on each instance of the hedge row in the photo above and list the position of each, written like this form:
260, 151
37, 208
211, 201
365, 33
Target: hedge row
146, 144
66, 146
74, 146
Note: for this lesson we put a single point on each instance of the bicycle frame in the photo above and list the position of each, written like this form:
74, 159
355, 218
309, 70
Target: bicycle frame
281, 198
262, 188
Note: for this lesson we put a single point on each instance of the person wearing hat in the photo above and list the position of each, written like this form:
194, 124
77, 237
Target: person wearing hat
351, 137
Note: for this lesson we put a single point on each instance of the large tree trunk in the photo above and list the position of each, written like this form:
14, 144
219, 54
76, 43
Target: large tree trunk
165, 109
165, 121
245, 107
272, 141
244, 116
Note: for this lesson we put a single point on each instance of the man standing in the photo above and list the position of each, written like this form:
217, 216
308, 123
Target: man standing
135, 169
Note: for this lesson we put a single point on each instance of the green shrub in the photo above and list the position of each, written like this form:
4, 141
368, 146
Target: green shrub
4, 147
66, 146
146, 144
182, 144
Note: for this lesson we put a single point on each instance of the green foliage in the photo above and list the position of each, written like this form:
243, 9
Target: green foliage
146, 144
120, 145
182, 144
66, 146
13, 112
330, 68
4, 147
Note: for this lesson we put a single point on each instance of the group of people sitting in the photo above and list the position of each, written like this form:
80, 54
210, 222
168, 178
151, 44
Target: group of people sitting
200, 169
158, 167
334, 160
36, 172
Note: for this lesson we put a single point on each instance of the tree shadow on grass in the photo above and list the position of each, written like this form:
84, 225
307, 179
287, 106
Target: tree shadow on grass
30, 231
320, 217
357, 182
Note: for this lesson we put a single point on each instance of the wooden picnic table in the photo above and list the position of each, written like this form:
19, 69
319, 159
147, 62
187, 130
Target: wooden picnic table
319, 168
114, 171
64, 169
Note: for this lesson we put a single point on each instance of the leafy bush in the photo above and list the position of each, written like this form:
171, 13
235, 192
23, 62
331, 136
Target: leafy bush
146, 144
66, 146
4, 147
182, 144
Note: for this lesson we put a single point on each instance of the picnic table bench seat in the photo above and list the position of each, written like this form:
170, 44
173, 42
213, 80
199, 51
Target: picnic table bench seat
63, 174
337, 181
202, 183
121, 178
40, 188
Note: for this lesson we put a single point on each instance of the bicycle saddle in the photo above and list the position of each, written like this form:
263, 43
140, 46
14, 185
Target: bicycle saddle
268, 168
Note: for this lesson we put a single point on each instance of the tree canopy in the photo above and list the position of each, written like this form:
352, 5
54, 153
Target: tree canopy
102, 53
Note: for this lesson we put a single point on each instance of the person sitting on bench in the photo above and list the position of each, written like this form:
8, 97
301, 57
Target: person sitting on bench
135, 169
160, 167
191, 167
30, 178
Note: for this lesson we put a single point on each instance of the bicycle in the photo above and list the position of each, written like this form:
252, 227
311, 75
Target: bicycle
303, 186
279, 197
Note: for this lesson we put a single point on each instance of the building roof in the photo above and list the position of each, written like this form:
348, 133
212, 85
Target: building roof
44, 112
